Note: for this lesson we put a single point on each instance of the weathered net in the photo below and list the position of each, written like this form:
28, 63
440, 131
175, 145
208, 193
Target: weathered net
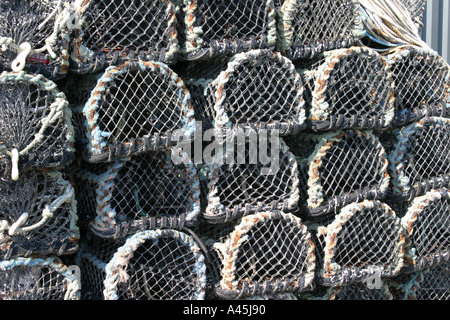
113, 32
422, 84
348, 88
224, 27
134, 108
38, 278
362, 241
420, 159
35, 124
161, 264
266, 253
38, 215
337, 168
146, 191
257, 89
353, 291
34, 37
427, 225
245, 183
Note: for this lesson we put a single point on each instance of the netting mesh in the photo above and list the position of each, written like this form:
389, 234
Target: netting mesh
219, 28
338, 168
348, 88
363, 240
35, 23
37, 279
427, 230
38, 215
139, 192
35, 124
353, 291
267, 252
422, 84
112, 32
420, 159
309, 27
256, 89
245, 184
135, 108
416, 9
150, 265
435, 284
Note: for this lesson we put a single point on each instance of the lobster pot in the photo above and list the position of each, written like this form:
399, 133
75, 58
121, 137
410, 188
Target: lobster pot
422, 84
309, 27
134, 108
353, 291
158, 189
161, 264
420, 159
427, 225
364, 241
34, 37
349, 88
337, 168
113, 32
224, 27
36, 129
288, 296
256, 90
249, 181
39, 278
38, 215
266, 253
434, 284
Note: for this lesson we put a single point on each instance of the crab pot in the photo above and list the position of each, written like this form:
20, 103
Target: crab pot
353, 291
38, 278
420, 159
422, 84
254, 90
161, 264
350, 88
134, 108
266, 253
34, 38
362, 242
35, 124
38, 215
337, 168
245, 183
150, 190
113, 32
224, 27
427, 225
308, 27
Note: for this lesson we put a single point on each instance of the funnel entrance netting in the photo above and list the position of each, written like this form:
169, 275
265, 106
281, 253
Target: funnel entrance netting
309, 27
135, 108
112, 32
427, 230
144, 191
35, 122
422, 85
420, 160
37, 279
363, 239
268, 252
33, 22
338, 168
38, 215
220, 28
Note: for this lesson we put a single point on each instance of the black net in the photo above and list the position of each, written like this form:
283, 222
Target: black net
35, 124
33, 22
112, 32
38, 215
224, 27
435, 284
422, 85
37, 279
338, 168
309, 27
150, 190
